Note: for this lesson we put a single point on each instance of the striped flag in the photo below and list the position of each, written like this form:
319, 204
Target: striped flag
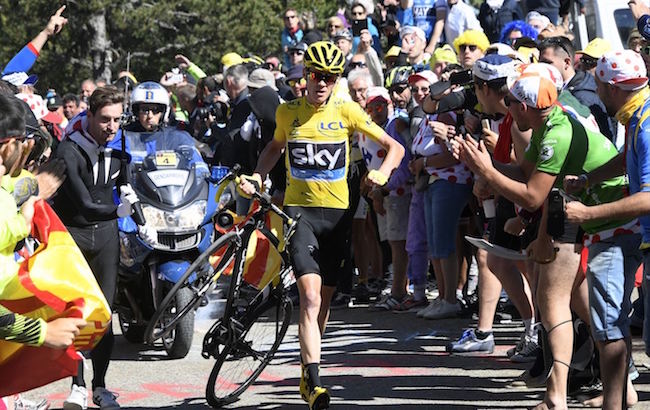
54, 282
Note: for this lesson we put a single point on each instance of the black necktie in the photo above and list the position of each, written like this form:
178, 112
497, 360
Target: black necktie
101, 171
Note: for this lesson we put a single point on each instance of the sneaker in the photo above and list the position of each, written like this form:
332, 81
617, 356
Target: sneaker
468, 342
410, 304
105, 399
78, 398
340, 301
387, 303
426, 310
517, 348
21, 403
375, 287
319, 398
527, 353
443, 310
304, 387
361, 294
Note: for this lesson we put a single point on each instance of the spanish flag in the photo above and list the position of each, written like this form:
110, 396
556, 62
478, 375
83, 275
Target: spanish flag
53, 282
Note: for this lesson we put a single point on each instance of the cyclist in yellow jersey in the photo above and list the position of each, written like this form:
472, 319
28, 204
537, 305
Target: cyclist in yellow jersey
315, 133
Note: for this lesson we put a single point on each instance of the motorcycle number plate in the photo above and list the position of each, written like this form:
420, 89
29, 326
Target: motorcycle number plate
166, 159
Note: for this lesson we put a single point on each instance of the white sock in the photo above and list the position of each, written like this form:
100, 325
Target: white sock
459, 293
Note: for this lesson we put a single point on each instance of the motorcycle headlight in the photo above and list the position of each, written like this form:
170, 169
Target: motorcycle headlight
188, 218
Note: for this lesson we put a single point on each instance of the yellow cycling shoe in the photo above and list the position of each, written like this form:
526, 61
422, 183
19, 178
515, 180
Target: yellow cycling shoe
304, 387
319, 398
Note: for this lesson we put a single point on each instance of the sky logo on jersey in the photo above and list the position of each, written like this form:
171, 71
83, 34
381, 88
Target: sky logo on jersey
324, 161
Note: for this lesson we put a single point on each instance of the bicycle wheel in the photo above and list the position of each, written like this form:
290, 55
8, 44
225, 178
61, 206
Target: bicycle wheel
240, 362
199, 278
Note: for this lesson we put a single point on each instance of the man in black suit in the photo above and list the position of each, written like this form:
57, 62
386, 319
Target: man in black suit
86, 207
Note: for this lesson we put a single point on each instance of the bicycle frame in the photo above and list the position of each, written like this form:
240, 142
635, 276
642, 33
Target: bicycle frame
254, 221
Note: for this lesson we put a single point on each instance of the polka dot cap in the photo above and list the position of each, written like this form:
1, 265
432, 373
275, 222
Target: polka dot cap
624, 69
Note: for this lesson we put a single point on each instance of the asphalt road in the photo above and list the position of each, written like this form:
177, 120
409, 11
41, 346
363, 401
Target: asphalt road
371, 360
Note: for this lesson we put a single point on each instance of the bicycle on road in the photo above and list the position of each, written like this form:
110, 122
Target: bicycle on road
258, 309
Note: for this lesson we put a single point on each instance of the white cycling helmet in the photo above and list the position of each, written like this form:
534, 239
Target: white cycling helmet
150, 92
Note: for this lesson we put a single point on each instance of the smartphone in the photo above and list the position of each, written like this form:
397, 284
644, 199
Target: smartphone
175, 76
358, 25
555, 224
461, 77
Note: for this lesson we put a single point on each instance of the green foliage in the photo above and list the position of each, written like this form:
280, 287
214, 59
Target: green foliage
154, 31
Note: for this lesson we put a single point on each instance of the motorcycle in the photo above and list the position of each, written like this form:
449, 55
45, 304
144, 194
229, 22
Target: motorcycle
177, 197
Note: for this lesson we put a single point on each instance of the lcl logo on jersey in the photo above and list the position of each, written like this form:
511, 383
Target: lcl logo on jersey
330, 126
309, 160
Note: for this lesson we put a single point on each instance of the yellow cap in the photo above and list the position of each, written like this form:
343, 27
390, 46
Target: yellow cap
444, 54
596, 48
392, 52
231, 59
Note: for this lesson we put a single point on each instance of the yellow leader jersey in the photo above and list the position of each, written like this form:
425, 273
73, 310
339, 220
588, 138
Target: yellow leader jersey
317, 149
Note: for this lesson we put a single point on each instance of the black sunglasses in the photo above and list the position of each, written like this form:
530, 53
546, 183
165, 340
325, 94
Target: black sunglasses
398, 88
154, 110
554, 42
588, 62
318, 77
463, 47
357, 64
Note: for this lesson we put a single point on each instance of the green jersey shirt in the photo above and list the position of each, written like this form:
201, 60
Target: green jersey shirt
564, 147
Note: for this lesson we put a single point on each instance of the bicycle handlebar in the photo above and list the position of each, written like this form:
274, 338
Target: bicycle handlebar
262, 197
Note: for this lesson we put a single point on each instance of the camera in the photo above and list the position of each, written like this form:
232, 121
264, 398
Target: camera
217, 109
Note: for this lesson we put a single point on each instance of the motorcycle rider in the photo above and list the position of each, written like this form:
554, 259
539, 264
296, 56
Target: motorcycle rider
149, 134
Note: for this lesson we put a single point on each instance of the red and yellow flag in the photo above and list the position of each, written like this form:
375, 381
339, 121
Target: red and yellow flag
55, 281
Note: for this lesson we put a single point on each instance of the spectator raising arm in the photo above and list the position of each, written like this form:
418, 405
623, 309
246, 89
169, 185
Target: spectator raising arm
25, 59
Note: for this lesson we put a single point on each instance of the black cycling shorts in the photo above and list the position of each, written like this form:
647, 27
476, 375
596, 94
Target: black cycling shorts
318, 245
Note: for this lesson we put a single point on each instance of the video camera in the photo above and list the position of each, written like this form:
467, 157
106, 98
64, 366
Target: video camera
463, 99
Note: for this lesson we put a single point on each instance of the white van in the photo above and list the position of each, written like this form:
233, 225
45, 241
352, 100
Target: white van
608, 19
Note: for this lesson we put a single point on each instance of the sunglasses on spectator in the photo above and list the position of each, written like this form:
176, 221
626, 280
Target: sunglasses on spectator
588, 62
318, 77
398, 88
554, 42
336, 26
154, 110
298, 52
416, 89
293, 83
471, 47
358, 13
357, 64
290, 17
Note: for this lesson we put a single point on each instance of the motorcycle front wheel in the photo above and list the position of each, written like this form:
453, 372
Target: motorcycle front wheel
179, 341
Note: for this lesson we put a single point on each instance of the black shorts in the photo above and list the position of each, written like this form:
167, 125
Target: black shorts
504, 211
318, 245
